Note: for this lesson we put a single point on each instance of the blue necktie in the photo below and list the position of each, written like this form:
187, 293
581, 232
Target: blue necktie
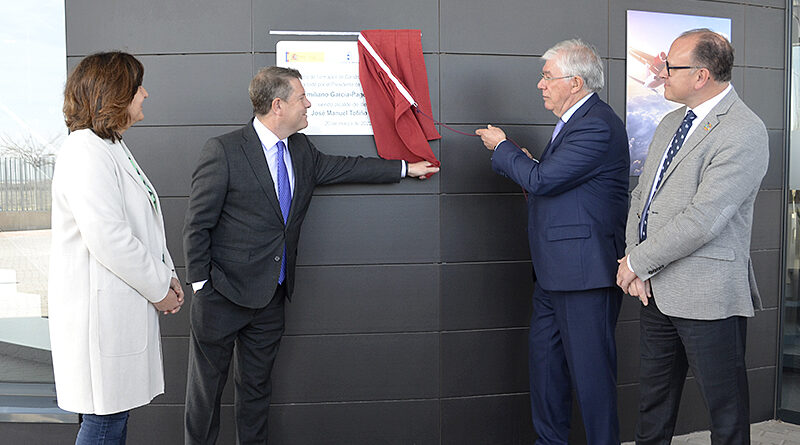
558, 128
284, 198
674, 146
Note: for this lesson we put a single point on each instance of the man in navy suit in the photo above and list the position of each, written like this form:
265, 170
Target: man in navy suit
577, 205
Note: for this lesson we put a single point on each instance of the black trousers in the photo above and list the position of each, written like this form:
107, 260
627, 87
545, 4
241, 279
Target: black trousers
714, 350
218, 329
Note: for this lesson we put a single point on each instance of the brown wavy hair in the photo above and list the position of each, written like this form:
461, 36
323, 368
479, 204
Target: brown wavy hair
98, 92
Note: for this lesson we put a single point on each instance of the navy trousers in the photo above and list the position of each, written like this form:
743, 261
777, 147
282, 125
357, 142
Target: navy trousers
572, 346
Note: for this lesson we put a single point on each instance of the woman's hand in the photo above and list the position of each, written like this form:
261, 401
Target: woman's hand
172, 303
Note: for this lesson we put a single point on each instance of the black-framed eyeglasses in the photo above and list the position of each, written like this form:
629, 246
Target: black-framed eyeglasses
684, 67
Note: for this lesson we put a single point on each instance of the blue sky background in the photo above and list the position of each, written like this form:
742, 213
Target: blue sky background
33, 69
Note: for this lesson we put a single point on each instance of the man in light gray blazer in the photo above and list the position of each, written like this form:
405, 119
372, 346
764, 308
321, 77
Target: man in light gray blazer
688, 237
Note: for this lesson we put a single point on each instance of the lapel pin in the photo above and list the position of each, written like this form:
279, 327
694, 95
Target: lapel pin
707, 126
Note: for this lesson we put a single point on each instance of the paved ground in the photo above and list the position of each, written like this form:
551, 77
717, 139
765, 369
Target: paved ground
773, 432
27, 252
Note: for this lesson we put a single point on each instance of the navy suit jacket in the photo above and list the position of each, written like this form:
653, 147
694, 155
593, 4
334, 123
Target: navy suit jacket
577, 199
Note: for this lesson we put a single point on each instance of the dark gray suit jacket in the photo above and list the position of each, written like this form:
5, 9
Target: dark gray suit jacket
234, 232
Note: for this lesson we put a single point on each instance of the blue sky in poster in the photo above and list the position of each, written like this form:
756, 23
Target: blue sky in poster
653, 33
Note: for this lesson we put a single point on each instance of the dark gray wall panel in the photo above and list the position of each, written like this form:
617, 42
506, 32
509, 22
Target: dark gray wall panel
767, 216
520, 26
476, 90
152, 26
344, 15
370, 229
762, 37
365, 146
773, 180
737, 80
175, 352
396, 422
163, 424
356, 367
628, 409
502, 419
766, 264
361, 299
40, 433
764, 95
197, 89
168, 155
174, 210
618, 18
616, 81
484, 228
484, 362
467, 165
481, 296
627, 334
762, 338
762, 394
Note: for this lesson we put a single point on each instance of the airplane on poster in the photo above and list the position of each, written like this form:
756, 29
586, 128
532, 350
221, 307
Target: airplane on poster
653, 65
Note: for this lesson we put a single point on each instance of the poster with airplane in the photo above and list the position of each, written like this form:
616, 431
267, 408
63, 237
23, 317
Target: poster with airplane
649, 35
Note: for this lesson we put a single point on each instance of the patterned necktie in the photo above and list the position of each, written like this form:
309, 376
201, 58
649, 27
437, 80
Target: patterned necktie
672, 150
284, 198
558, 128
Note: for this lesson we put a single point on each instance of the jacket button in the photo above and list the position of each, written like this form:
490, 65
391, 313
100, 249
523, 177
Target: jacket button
277, 258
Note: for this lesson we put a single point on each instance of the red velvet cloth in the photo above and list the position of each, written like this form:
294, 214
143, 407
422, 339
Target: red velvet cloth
400, 132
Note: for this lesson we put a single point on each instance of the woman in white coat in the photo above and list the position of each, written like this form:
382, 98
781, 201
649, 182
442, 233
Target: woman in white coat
110, 271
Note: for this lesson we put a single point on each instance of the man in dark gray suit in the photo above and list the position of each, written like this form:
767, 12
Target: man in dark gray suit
688, 237
250, 194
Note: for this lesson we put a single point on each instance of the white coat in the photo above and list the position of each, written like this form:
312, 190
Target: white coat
109, 263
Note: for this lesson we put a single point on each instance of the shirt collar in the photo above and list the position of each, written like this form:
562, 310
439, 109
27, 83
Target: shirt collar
265, 135
568, 114
702, 110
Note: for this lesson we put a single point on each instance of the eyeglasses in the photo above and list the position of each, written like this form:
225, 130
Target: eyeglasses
685, 67
547, 78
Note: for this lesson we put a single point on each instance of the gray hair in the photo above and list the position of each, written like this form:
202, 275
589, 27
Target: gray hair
268, 84
577, 58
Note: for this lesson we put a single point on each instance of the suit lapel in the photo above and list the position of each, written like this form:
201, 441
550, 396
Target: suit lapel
254, 151
576, 116
699, 134
296, 151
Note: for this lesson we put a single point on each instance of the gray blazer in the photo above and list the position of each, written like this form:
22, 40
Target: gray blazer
697, 251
